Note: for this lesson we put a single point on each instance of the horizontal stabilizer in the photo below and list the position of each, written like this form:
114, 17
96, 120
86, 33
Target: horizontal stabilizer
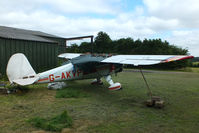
27, 81
69, 55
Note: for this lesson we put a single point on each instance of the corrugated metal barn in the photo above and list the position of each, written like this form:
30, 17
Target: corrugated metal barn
40, 48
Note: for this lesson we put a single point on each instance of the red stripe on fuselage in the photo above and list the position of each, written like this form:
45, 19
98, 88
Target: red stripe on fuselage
42, 79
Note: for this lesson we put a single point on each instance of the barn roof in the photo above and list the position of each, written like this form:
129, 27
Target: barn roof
15, 33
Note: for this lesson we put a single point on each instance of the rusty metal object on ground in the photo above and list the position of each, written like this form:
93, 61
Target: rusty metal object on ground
155, 101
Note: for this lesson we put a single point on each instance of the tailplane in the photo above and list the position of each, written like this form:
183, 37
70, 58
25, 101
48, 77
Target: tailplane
20, 71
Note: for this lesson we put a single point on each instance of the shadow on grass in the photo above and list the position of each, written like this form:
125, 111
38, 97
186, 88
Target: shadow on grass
70, 93
19, 90
120, 98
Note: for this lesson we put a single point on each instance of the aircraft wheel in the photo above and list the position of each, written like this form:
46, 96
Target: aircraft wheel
115, 86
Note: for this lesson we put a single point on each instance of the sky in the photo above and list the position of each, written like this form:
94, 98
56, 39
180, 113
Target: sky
176, 21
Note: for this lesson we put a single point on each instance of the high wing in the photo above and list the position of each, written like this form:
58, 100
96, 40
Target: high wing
137, 60
69, 55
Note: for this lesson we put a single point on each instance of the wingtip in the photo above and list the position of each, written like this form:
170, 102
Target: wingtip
187, 57
176, 58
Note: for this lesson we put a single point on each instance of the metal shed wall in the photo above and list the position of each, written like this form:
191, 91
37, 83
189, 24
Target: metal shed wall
41, 55
61, 44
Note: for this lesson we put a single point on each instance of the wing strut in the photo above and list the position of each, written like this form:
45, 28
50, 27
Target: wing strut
154, 100
147, 85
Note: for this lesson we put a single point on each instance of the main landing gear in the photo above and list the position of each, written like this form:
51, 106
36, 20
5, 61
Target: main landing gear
97, 81
113, 86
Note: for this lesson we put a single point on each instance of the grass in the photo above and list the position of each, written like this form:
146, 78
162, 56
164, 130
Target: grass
190, 69
102, 110
70, 93
56, 123
195, 63
186, 69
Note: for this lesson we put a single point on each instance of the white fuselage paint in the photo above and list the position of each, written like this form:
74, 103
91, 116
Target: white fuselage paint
69, 72
65, 72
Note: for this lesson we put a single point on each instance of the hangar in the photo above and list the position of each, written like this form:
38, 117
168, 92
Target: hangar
40, 48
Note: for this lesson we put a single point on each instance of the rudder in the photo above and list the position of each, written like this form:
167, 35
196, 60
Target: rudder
20, 71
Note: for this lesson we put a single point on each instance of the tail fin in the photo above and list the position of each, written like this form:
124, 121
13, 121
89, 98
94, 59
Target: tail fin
20, 71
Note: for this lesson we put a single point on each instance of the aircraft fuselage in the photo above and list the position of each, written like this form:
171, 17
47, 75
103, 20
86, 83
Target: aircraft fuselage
75, 72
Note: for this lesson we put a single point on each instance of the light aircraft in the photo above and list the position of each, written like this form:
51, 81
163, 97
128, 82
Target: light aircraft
82, 66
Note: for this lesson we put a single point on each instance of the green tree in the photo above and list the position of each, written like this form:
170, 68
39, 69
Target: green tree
74, 48
102, 43
123, 46
85, 47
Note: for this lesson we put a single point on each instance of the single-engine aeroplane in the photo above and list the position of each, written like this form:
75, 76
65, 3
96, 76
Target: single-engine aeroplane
82, 66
